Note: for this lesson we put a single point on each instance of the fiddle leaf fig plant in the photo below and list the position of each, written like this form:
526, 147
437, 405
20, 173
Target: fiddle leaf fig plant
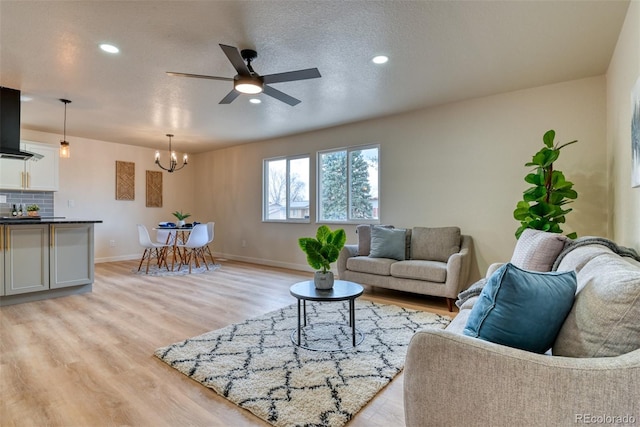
542, 207
324, 249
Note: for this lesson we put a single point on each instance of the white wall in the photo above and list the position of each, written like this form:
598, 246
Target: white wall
88, 179
458, 164
624, 70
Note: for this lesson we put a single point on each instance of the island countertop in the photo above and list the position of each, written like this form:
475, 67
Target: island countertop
46, 220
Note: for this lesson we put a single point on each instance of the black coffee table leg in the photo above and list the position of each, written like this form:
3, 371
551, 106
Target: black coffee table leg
352, 320
304, 311
299, 328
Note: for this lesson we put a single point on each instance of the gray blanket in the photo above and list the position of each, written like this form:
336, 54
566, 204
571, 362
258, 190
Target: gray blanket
591, 240
470, 292
476, 288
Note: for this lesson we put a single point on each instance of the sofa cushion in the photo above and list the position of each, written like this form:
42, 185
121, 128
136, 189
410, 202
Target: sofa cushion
388, 243
605, 318
435, 244
522, 309
432, 271
537, 250
365, 264
459, 322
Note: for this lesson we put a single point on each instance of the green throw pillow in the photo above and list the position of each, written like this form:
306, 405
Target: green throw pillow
522, 309
388, 243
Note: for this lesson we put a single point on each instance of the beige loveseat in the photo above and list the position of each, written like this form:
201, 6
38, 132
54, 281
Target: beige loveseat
434, 261
593, 376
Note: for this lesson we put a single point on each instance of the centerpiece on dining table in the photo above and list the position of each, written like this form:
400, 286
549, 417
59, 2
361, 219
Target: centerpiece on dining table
181, 217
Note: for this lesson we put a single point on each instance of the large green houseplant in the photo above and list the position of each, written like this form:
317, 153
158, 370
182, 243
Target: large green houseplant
542, 207
321, 251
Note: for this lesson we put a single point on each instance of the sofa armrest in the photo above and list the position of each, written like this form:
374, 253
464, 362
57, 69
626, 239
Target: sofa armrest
492, 268
452, 379
458, 266
346, 252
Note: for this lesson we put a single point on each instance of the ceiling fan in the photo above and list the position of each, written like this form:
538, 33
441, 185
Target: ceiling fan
249, 82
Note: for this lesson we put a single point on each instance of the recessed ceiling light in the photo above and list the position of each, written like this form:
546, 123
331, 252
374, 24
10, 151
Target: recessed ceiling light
25, 98
380, 59
255, 101
109, 48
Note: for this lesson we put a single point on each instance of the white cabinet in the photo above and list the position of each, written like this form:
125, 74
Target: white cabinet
26, 258
71, 255
45, 257
33, 174
2, 227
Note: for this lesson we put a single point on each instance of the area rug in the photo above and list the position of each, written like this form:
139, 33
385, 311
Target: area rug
154, 270
255, 364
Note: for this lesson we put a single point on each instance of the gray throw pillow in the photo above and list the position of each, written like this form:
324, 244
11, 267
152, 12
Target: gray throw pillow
605, 318
364, 238
537, 250
388, 243
435, 244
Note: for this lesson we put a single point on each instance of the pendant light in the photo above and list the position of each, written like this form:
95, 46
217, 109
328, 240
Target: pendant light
173, 159
65, 149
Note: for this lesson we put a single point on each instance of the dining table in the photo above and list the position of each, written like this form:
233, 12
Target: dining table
181, 235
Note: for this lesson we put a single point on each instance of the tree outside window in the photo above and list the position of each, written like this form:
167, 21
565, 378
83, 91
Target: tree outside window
348, 184
286, 189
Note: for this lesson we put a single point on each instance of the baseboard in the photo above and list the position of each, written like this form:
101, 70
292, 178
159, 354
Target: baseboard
267, 262
251, 260
117, 258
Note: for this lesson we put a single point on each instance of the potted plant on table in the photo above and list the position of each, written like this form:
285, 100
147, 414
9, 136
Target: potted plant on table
181, 217
33, 210
321, 251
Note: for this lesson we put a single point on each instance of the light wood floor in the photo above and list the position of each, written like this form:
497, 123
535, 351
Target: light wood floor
87, 360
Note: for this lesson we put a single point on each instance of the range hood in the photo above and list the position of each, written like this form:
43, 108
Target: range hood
10, 125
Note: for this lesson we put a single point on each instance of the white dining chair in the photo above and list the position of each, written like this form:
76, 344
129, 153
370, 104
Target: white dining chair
151, 249
192, 248
205, 249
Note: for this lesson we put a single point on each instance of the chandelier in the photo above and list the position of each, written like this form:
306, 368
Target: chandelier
173, 159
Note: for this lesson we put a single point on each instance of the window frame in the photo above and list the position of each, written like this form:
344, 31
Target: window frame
348, 150
265, 188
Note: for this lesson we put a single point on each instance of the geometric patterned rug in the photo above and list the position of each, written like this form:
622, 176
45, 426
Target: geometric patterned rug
255, 364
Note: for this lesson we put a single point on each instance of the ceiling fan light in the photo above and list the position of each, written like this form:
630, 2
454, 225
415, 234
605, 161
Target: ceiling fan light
249, 86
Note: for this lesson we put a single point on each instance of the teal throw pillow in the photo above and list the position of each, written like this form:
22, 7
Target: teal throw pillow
522, 309
388, 243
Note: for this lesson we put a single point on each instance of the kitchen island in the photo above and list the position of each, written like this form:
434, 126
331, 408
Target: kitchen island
43, 258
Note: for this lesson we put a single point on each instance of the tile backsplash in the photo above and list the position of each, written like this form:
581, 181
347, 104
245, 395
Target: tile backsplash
44, 199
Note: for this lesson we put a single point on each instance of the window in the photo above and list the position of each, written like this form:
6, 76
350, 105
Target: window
286, 189
348, 184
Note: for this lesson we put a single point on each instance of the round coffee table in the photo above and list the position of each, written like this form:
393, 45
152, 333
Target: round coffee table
342, 291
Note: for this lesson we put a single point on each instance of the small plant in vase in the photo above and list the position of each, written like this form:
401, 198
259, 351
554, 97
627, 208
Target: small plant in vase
321, 251
181, 217
33, 210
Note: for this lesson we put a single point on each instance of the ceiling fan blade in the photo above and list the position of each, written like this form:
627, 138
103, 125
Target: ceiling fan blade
199, 76
230, 97
236, 59
309, 73
281, 96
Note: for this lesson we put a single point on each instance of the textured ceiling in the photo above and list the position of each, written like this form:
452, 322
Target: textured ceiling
440, 51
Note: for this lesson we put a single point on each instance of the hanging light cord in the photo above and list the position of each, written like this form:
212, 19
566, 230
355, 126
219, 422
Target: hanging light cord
64, 137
